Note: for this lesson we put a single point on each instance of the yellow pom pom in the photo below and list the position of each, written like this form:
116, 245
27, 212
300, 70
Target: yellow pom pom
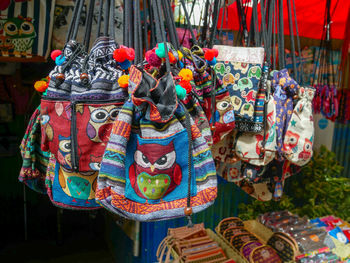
180, 54
40, 85
123, 81
186, 74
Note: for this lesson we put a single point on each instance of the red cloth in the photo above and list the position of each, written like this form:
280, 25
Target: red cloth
310, 16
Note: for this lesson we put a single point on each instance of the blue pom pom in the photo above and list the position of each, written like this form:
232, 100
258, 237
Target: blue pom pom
60, 60
180, 91
160, 50
125, 64
212, 63
181, 64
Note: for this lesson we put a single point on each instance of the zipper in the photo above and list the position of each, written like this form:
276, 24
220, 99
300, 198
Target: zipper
73, 132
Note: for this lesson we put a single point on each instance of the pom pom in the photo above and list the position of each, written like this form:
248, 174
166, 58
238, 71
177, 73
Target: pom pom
172, 58
186, 74
154, 60
209, 55
55, 54
160, 50
120, 55
186, 85
181, 65
216, 52
40, 85
130, 53
123, 81
180, 92
60, 60
125, 64
180, 54
212, 62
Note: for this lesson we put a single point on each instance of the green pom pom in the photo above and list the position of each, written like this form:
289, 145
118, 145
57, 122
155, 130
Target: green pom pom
180, 91
160, 50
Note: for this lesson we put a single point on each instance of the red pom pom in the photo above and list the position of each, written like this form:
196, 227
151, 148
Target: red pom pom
154, 60
130, 53
55, 54
216, 52
120, 55
186, 85
172, 58
148, 53
209, 55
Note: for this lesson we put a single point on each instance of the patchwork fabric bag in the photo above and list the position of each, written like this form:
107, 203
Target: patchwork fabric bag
83, 99
35, 161
259, 149
215, 99
157, 165
68, 189
240, 70
299, 136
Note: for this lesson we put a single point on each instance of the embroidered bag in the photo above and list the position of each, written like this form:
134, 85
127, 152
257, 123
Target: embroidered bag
68, 189
35, 161
298, 140
82, 101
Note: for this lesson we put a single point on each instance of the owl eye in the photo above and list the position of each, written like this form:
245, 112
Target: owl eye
27, 27
45, 119
113, 114
11, 28
99, 115
8, 41
222, 105
166, 161
141, 159
65, 145
308, 146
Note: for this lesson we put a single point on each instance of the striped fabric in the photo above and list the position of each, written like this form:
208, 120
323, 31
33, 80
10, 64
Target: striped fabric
26, 28
114, 188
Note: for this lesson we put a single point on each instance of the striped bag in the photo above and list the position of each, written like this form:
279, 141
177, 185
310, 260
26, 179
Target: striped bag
35, 161
157, 165
25, 29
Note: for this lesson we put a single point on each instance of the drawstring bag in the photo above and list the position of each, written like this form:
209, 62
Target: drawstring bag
72, 190
35, 161
285, 88
298, 140
157, 164
82, 101
259, 149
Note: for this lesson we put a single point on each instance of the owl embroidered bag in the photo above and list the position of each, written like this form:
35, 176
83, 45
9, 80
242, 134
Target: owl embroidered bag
71, 190
298, 139
25, 30
82, 101
157, 165
35, 161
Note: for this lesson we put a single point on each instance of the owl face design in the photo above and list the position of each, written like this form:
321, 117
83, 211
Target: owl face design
64, 151
307, 150
291, 142
5, 43
18, 27
99, 126
225, 109
154, 172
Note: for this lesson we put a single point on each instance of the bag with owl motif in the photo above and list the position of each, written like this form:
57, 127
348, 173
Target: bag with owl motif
82, 101
157, 165
253, 147
68, 189
214, 98
298, 140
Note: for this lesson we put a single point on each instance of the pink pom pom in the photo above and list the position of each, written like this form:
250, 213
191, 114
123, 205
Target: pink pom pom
130, 53
154, 60
55, 54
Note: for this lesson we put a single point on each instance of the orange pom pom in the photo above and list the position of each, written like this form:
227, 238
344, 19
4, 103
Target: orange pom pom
123, 81
186, 74
172, 58
120, 55
40, 85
